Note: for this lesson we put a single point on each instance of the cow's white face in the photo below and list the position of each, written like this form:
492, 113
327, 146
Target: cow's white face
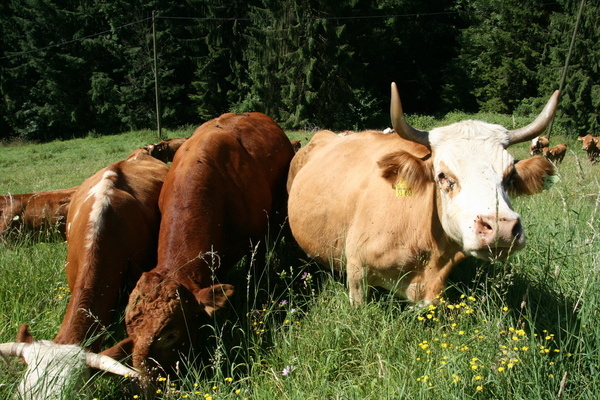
53, 371
471, 169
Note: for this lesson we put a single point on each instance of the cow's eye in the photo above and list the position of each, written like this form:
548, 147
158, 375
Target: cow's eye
446, 183
168, 338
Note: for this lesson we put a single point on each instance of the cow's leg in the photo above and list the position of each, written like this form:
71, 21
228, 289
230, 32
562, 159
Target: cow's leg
357, 285
428, 285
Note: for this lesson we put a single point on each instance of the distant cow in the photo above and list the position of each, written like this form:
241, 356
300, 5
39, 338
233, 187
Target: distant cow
399, 211
556, 153
591, 144
35, 212
538, 144
163, 151
220, 193
112, 233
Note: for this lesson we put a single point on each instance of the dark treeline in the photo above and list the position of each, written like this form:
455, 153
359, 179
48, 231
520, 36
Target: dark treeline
69, 68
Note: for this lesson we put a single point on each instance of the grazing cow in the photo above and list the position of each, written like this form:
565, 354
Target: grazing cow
35, 212
538, 144
112, 233
399, 211
223, 187
591, 144
556, 153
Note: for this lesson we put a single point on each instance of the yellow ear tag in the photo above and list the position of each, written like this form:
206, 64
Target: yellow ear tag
403, 189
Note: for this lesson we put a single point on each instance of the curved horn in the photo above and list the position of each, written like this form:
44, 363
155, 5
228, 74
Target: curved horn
399, 121
539, 125
14, 349
108, 364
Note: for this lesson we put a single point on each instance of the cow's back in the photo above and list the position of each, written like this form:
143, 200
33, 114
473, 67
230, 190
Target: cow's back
112, 231
224, 182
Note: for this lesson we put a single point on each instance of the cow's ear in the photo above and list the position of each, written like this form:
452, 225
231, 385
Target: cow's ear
120, 350
406, 168
23, 336
532, 175
214, 297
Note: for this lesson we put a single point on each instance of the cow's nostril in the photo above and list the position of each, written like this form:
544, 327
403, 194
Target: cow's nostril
517, 230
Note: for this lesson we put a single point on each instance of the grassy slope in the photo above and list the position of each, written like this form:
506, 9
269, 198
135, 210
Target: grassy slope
513, 329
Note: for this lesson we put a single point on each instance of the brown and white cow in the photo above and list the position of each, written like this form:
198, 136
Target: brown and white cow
399, 211
555, 154
538, 144
591, 144
165, 150
112, 233
35, 212
224, 184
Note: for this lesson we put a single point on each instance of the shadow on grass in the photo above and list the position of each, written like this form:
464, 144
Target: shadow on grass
540, 306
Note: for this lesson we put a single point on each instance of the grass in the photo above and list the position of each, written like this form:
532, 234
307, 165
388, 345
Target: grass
525, 328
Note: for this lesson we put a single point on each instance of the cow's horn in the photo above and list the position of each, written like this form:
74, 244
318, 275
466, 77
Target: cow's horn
14, 349
108, 364
399, 121
539, 125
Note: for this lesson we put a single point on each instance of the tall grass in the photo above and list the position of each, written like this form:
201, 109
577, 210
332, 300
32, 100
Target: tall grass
524, 328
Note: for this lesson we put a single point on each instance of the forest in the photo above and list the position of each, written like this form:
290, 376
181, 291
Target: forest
74, 68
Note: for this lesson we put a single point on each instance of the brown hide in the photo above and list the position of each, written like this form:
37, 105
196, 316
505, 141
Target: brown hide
35, 212
367, 204
556, 153
224, 185
112, 231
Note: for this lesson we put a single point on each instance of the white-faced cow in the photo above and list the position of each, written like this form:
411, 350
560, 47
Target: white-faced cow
555, 154
223, 186
399, 211
538, 144
591, 144
35, 212
112, 233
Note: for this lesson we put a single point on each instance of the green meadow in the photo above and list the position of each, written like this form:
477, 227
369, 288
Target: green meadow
524, 328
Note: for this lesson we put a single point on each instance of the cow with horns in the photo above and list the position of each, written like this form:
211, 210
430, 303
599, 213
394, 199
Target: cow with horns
400, 211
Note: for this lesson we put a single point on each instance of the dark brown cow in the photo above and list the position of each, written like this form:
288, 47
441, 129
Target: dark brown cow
35, 212
222, 188
112, 233
399, 211
538, 144
556, 153
591, 144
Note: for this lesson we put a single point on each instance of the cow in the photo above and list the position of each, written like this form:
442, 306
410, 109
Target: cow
591, 146
223, 187
555, 154
399, 211
35, 212
165, 150
112, 235
538, 144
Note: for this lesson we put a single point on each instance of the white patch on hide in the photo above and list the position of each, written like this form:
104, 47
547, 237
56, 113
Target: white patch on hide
101, 193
